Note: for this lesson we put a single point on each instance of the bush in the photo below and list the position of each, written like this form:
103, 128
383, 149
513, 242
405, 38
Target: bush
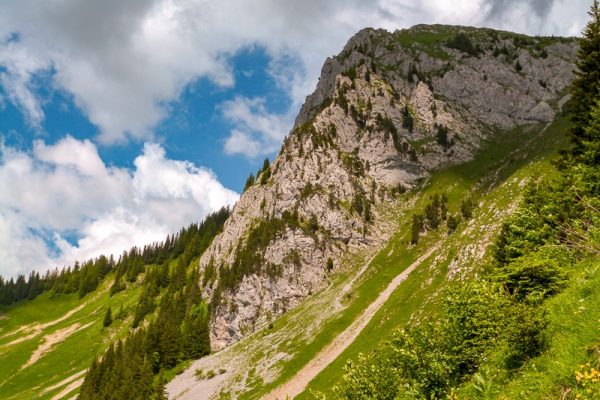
407, 118
526, 335
536, 275
442, 136
462, 42
425, 360
329, 264
518, 66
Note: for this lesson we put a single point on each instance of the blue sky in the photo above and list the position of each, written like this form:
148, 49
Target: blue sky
121, 122
195, 128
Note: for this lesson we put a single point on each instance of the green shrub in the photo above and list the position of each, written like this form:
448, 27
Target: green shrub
407, 118
442, 136
462, 42
536, 275
329, 264
425, 360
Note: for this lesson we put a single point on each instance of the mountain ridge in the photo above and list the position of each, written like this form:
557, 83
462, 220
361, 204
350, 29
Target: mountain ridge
387, 111
393, 146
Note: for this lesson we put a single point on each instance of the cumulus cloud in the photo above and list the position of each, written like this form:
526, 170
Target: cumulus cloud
125, 61
256, 131
65, 188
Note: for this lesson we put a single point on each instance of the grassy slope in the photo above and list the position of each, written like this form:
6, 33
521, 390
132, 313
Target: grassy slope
65, 358
269, 357
495, 178
574, 341
575, 332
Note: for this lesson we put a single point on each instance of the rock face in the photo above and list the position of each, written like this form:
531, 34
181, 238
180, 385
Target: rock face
388, 110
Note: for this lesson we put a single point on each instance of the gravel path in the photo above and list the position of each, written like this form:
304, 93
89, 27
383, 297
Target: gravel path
298, 382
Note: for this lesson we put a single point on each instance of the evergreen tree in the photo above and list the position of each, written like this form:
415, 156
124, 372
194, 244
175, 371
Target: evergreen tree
407, 119
466, 208
249, 182
121, 313
329, 264
117, 285
179, 330
586, 86
444, 207
107, 318
452, 223
196, 335
416, 227
265, 172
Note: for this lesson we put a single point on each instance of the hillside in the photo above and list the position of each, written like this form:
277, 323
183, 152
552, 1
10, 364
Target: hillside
388, 111
393, 188
263, 361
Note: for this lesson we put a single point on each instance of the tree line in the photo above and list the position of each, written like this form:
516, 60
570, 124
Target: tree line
83, 278
170, 321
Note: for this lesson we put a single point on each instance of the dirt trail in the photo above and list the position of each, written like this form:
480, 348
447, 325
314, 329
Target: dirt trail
298, 382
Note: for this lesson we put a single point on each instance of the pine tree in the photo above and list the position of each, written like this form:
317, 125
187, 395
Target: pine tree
107, 318
466, 208
585, 88
265, 172
444, 207
452, 223
196, 336
329, 264
249, 182
417, 225
117, 285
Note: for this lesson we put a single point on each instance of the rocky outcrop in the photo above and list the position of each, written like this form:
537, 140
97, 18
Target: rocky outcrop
388, 110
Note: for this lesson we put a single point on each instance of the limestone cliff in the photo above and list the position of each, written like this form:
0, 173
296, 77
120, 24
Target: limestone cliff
388, 110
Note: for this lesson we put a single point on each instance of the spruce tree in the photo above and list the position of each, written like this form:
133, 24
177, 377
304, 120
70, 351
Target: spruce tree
265, 172
107, 318
249, 182
417, 225
586, 86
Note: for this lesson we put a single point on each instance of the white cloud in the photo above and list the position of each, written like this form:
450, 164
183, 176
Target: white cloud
66, 188
124, 61
16, 79
256, 131
240, 142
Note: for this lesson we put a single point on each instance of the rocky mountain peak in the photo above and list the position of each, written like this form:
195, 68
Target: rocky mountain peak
387, 110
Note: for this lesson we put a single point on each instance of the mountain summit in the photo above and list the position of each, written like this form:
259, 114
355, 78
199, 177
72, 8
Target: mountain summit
389, 110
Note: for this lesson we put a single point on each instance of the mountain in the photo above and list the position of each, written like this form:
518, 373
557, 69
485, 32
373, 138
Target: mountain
389, 110
421, 233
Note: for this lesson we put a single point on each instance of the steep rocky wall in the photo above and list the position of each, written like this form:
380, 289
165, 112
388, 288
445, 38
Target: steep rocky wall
371, 128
